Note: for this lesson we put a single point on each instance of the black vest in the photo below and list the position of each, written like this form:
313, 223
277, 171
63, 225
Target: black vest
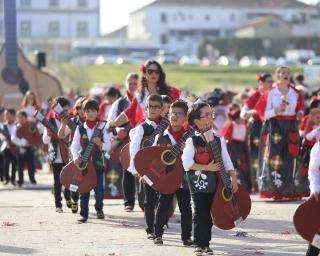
202, 181
97, 155
124, 103
165, 140
53, 145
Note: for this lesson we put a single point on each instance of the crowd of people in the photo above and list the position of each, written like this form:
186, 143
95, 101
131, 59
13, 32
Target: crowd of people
265, 135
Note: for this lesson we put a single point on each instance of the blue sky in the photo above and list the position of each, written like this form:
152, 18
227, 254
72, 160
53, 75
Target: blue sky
114, 13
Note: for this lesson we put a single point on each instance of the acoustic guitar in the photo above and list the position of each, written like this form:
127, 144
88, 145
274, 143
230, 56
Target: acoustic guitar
30, 132
161, 166
146, 142
17, 74
63, 143
228, 209
307, 221
63, 114
82, 178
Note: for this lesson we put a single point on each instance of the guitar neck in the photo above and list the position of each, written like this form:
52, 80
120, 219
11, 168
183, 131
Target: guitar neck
71, 124
88, 150
218, 159
159, 130
177, 148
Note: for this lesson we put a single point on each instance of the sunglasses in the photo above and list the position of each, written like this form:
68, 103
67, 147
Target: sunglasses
177, 114
154, 107
153, 71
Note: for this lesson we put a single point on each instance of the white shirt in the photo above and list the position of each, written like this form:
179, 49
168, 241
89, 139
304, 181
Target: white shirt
47, 139
10, 130
19, 142
135, 143
314, 168
239, 132
76, 148
189, 152
30, 111
274, 100
314, 134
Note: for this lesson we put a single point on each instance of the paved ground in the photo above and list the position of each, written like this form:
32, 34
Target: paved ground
29, 225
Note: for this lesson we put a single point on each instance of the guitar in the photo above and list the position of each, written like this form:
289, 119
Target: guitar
146, 142
17, 74
228, 209
63, 143
62, 113
12, 146
161, 166
307, 222
30, 132
82, 178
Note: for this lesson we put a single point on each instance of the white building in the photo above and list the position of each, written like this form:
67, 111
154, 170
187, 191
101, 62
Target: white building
181, 25
54, 24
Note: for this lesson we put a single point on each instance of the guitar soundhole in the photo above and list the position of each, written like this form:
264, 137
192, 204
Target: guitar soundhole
11, 77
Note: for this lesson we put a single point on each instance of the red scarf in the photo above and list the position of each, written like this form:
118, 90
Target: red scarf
91, 124
176, 135
130, 96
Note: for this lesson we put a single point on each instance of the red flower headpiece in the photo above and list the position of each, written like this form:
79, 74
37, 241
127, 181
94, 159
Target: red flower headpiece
142, 68
117, 87
259, 77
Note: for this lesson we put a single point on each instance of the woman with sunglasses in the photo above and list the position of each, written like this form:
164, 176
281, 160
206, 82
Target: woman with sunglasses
153, 81
280, 107
254, 124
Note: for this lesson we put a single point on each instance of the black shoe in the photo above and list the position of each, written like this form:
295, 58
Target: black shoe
207, 251
33, 182
128, 208
158, 240
188, 242
100, 215
150, 236
74, 207
13, 183
69, 203
59, 210
198, 251
82, 220
6, 182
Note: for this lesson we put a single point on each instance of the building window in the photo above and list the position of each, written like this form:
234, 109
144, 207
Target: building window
82, 3
53, 3
82, 29
25, 28
232, 17
207, 17
163, 18
25, 3
164, 39
54, 29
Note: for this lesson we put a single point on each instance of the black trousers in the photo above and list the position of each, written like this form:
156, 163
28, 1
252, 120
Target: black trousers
202, 218
128, 188
184, 203
150, 202
2, 171
140, 193
26, 156
10, 159
56, 168
313, 251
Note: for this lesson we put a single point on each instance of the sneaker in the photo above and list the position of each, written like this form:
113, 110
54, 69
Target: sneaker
188, 242
59, 210
100, 215
198, 251
150, 236
69, 203
74, 207
158, 240
128, 208
207, 251
82, 220
13, 183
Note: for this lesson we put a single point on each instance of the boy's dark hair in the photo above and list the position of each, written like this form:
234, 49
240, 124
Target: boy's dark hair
155, 97
112, 92
63, 101
180, 104
11, 111
195, 111
90, 104
166, 99
23, 113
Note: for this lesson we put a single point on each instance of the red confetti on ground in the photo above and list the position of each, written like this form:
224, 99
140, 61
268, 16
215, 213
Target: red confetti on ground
8, 224
286, 232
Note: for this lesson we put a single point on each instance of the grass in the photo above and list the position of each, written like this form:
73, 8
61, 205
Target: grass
194, 78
